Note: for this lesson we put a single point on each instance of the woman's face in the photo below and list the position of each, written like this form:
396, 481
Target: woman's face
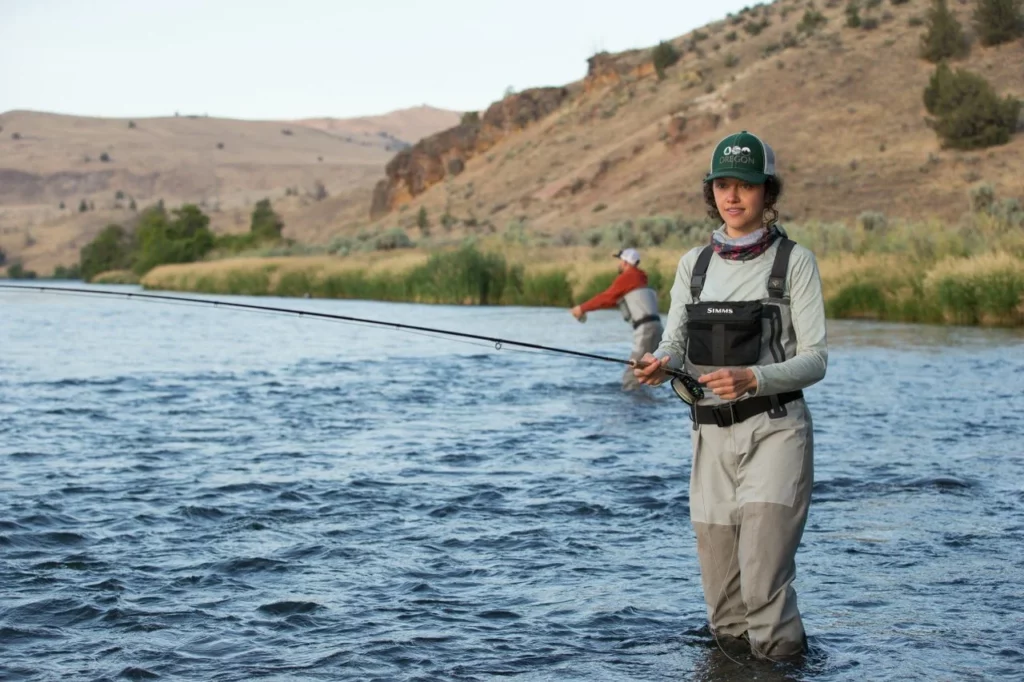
740, 203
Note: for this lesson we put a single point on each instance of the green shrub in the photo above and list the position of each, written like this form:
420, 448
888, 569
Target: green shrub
112, 249
65, 272
395, 238
970, 115
184, 239
998, 21
663, 56
755, 27
811, 21
853, 15
944, 37
265, 223
18, 271
423, 221
873, 221
1009, 213
982, 198
448, 221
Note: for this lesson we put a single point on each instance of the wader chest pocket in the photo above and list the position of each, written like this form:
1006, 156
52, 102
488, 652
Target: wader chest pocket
724, 334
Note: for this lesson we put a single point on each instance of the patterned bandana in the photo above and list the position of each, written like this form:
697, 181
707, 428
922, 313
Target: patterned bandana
746, 247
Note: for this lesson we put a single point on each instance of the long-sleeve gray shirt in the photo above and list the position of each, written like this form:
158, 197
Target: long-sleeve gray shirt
733, 280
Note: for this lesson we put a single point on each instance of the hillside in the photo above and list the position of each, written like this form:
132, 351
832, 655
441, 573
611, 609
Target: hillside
842, 107
409, 125
224, 165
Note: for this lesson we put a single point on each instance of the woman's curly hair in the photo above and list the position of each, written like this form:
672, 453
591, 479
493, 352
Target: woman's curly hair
772, 192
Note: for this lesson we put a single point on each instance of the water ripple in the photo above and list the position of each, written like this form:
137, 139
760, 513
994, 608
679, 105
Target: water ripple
197, 495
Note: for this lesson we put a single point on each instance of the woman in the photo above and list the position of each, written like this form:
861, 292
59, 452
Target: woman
747, 318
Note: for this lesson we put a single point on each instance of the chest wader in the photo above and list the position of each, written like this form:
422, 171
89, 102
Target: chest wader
750, 484
640, 308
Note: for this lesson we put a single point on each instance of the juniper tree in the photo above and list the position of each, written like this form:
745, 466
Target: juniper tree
998, 21
944, 38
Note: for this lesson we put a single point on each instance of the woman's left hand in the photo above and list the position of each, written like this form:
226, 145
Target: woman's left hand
730, 383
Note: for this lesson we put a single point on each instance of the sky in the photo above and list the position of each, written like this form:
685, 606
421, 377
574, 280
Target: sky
309, 58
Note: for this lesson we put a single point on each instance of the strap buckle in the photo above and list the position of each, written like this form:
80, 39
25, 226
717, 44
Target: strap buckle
696, 285
777, 408
722, 415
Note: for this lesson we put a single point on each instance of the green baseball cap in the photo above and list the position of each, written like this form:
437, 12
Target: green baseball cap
742, 155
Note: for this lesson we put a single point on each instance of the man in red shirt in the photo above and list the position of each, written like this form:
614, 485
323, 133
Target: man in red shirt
639, 306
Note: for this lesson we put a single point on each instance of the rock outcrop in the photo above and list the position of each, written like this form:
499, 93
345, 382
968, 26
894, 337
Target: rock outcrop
605, 70
412, 171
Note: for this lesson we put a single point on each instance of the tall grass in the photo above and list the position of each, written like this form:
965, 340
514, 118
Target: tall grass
971, 272
116, 277
466, 276
986, 290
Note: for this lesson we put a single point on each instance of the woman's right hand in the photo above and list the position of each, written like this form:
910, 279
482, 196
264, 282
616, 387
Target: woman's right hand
649, 370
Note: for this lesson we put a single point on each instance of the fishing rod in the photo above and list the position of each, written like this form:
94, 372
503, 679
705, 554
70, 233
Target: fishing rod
685, 386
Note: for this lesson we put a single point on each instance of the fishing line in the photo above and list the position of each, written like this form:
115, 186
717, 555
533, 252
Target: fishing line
192, 303
691, 392
685, 386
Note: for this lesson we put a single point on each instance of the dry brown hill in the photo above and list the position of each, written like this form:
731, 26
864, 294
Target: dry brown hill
225, 165
409, 125
842, 106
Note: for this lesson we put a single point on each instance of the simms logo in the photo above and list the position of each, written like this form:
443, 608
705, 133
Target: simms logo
720, 311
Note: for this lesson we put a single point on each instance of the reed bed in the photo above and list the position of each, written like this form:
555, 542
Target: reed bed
968, 273
116, 277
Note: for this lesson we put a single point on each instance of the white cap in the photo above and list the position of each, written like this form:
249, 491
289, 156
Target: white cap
631, 256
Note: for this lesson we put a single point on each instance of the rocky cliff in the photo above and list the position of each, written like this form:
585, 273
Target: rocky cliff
413, 171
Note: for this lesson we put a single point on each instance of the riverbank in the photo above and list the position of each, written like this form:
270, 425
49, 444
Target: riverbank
985, 289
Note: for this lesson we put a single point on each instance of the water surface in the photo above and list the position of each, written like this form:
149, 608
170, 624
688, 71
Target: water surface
197, 493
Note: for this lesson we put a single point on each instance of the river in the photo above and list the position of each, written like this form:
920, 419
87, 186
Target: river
200, 493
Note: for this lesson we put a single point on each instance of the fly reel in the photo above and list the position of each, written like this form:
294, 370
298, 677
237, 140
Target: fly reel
685, 386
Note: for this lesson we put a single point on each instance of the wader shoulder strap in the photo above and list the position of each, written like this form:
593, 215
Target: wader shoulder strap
700, 270
777, 280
